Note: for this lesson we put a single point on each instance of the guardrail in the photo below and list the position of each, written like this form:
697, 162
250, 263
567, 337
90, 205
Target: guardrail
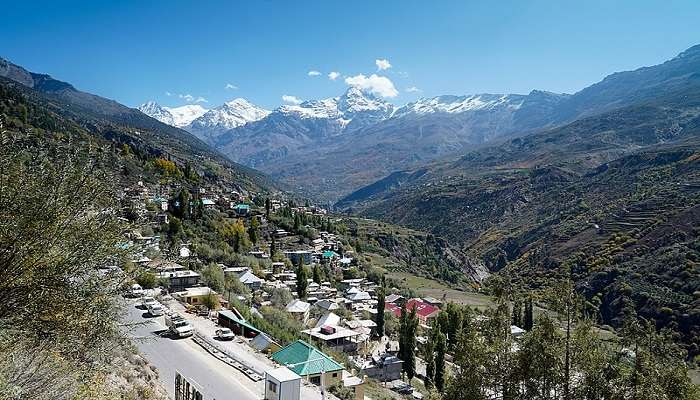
226, 356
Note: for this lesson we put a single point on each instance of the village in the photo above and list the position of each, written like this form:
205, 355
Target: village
295, 309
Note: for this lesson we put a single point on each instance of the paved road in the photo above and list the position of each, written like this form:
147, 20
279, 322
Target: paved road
217, 380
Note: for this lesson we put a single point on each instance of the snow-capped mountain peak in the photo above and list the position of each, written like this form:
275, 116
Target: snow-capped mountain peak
175, 116
458, 104
183, 115
231, 114
355, 100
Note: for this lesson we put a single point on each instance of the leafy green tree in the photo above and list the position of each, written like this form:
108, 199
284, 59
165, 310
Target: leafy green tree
268, 207
213, 276
59, 317
210, 301
146, 279
302, 279
280, 297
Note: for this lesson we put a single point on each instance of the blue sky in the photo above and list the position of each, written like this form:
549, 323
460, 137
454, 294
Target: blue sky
134, 51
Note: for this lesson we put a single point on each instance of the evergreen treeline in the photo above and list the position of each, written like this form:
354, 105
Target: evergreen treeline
562, 356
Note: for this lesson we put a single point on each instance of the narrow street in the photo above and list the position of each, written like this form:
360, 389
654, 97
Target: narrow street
217, 380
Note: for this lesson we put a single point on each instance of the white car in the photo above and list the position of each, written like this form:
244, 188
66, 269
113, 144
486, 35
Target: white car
225, 334
135, 291
155, 310
146, 301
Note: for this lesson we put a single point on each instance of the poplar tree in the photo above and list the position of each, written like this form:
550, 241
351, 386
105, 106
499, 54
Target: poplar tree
429, 358
528, 320
302, 282
440, 349
379, 318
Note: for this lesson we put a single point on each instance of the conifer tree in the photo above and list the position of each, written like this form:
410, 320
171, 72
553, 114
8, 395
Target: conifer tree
302, 282
379, 319
317, 274
429, 358
440, 349
528, 319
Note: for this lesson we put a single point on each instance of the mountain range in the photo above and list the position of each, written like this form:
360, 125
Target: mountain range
106, 121
331, 147
607, 195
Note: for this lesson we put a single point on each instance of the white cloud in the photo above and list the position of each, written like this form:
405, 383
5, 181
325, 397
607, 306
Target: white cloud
333, 75
314, 73
168, 94
375, 84
230, 86
192, 99
413, 89
291, 99
382, 64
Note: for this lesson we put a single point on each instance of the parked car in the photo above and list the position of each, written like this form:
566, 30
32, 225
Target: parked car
178, 326
225, 334
202, 311
155, 310
403, 388
135, 291
147, 301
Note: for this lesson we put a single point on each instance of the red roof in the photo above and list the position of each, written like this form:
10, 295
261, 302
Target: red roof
393, 308
423, 309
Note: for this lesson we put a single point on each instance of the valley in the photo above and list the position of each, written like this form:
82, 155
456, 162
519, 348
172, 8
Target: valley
371, 201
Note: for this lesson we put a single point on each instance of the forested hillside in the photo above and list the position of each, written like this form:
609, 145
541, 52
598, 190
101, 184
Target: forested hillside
609, 200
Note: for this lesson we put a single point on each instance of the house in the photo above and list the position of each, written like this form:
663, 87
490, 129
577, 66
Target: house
295, 255
263, 343
395, 299
424, 311
280, 233
335, 337
328, 319
358, 297
234, 321
208, 204
184, 252
330, 255
433, 301
516, 331
282, 384
355, 384
242, 210
326, 305
195, 295
249, 279
309, 362
384, 368
179, 280
299, 309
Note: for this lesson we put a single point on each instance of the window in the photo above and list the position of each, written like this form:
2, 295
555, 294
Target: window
316, 380
335, 374
272, 386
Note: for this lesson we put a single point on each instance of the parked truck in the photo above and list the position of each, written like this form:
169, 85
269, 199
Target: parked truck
178, 326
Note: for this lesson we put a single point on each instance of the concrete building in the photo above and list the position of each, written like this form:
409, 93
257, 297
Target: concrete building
282, 384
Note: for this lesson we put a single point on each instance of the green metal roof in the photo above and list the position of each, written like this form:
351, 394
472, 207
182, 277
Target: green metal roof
230, 315
330, 254
305, 359
242, 206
